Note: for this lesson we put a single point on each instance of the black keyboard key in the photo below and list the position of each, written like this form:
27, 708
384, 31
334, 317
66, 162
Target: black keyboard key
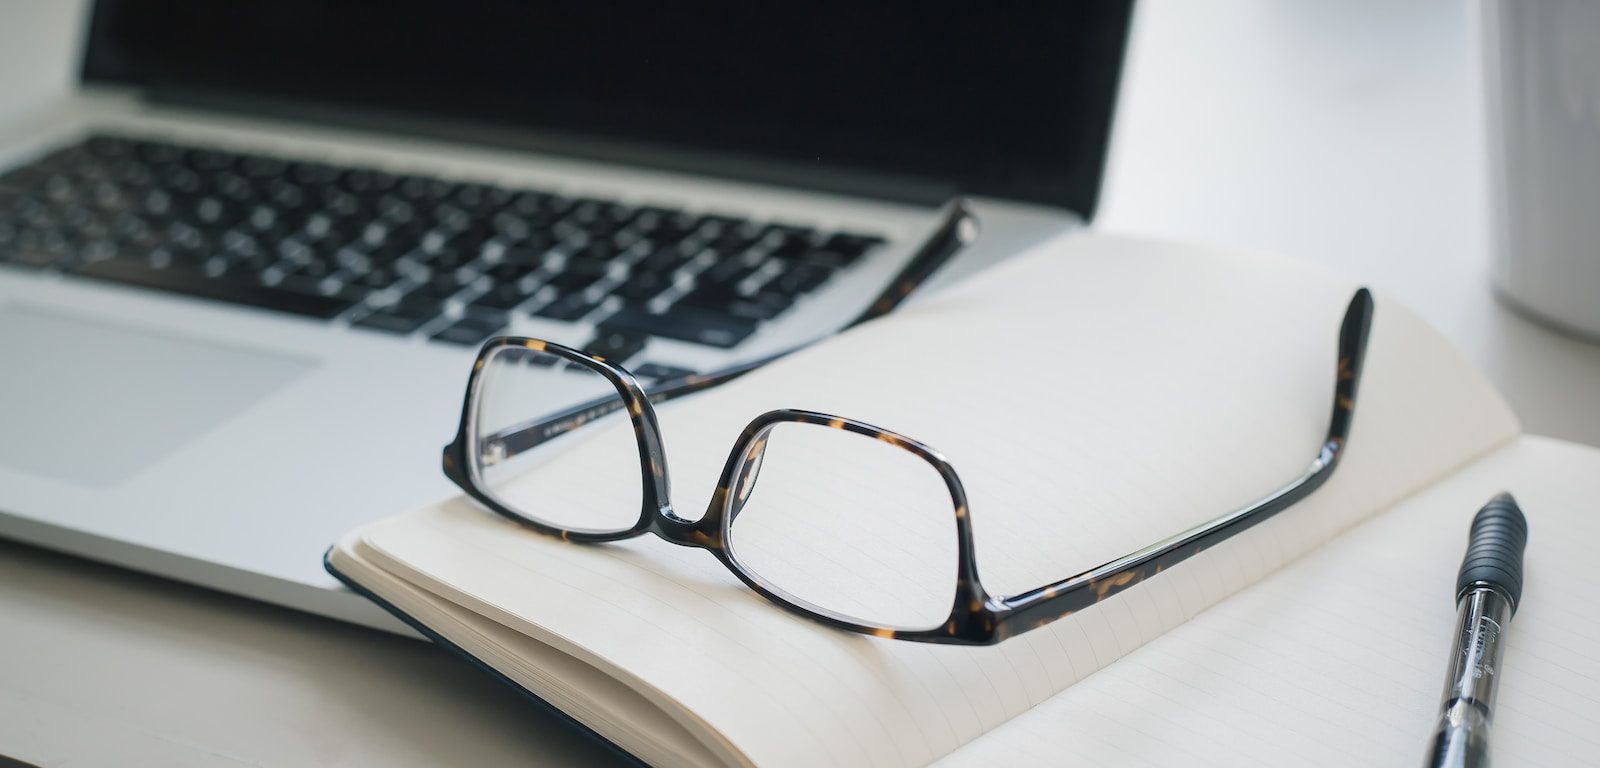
559, 205
471, 330
313, 174
327, 286
826, 258
383, 320
232, 186
443, 260
570, 307
683, 323
10, 202
761, 306
601, 230
265, 168
417, 189
314, 267
528, 203
649, 217
851, 246
839, 250
404, 316
710, 296
732, 269
375, 278
207, 159
472, 239
223, 289
510, 227
579, 275
587, 212
659, 372
665, 260
401, 244
352, 260
787, 248
157, 152
597, 251
363, 181
526, 256
616, 346
476, 197
643, 286
737, 239
502, 297
786, 232
573, 282
444, 285
665, 236
801, 278
506, 273
712, 226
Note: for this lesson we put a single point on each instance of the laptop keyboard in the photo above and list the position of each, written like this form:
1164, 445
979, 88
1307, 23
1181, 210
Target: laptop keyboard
404, 254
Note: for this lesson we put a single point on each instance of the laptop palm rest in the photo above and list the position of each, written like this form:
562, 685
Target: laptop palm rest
92, 404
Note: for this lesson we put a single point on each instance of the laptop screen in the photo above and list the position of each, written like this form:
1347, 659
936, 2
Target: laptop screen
1012, 101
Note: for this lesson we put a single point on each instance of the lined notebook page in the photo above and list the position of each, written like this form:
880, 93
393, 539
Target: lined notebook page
1339, 659
1095, 396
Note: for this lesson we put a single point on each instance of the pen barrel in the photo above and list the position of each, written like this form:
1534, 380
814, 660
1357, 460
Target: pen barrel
1459, 741
1462, 736
1488, 587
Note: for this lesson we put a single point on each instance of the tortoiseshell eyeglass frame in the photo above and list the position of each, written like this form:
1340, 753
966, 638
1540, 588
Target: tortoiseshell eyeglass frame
976, 617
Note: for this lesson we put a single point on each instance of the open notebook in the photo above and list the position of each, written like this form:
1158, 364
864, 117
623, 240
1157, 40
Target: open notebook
1096, 395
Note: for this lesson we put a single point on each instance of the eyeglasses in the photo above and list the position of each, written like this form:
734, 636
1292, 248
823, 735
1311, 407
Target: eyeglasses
854, 526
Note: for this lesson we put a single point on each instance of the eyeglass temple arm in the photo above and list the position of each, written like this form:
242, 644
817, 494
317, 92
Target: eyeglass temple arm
524, 436
1041, 606
957, 228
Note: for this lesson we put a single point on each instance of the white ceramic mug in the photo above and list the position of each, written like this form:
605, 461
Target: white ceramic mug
1542, 69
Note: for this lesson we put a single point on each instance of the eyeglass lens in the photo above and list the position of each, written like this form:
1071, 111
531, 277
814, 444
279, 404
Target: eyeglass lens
584, 477
846, 523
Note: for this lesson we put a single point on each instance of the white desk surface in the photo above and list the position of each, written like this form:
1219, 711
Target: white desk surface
1348, 133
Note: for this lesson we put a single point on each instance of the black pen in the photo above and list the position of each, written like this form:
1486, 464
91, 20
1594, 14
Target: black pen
1487, 592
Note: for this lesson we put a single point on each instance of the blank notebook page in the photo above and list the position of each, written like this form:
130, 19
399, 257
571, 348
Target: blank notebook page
1339, 659
1095, 396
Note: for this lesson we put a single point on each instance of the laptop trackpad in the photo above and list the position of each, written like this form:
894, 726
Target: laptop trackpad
92, 403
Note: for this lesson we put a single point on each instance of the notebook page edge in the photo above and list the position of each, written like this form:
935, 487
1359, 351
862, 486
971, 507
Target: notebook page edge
493, 643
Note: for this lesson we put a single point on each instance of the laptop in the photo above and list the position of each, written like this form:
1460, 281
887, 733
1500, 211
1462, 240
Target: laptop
245, 266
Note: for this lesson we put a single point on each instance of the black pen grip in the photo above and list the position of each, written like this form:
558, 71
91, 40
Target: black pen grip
1494, 549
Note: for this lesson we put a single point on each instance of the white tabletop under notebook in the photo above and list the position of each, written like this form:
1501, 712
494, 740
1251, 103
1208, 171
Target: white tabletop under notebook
1095, 396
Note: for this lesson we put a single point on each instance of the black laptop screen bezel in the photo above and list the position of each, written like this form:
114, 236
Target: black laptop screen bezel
1016, 102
